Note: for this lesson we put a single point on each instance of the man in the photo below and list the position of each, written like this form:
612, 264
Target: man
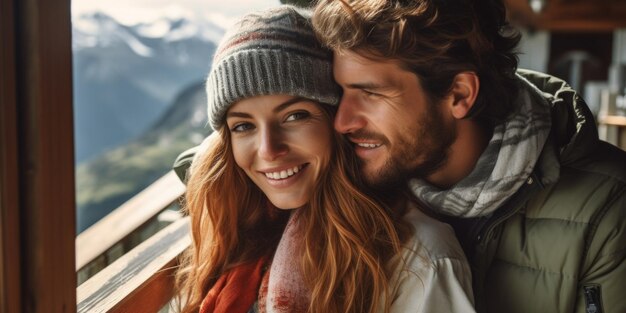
432, 97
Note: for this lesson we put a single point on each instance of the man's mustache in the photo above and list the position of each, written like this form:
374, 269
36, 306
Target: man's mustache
361, 135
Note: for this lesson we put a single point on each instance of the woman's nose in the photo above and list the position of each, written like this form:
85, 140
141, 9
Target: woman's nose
272, 144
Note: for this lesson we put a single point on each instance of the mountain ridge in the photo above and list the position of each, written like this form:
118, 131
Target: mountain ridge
138, 102
105, 182
123, 81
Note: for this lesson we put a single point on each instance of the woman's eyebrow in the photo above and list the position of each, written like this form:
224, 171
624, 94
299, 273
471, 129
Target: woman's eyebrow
277, 109
238, 114
288, 103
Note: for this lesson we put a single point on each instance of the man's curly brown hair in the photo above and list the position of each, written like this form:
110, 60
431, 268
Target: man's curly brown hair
435, 39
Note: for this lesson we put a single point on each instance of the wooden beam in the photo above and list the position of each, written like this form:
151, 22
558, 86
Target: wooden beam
46, 155
614, 120
560, 15
10, 298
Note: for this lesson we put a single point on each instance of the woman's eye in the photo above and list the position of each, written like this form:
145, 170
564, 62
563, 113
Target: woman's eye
297, 116
241, 127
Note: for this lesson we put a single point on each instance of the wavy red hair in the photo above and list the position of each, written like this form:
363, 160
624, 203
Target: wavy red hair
349, 239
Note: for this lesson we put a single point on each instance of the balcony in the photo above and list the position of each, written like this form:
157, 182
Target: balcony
131, 277
40, 271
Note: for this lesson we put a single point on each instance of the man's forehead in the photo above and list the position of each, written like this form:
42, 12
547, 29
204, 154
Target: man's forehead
357, 71
363, 58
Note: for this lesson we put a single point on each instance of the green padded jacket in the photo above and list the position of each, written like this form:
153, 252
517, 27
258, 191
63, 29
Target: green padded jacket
557, 247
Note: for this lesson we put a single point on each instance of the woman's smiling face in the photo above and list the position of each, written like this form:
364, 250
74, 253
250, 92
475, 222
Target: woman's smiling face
283, 143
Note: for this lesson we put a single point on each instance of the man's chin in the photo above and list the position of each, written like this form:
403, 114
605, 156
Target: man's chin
384, 181
372, 175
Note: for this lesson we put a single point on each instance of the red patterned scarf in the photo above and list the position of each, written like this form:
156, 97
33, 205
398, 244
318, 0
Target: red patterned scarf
235, 291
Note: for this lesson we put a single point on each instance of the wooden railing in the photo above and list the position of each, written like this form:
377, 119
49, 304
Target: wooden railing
99, 245
139, 280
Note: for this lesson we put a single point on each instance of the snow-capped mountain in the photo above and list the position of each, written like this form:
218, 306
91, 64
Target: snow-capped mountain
126, 76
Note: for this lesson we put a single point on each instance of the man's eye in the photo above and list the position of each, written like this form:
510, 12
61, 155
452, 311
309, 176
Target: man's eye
297, 116
241, 127
368, 93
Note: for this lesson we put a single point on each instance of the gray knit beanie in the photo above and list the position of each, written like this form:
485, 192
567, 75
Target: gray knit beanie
267, 53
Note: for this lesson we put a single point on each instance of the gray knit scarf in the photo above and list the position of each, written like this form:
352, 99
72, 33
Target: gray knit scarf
504, 166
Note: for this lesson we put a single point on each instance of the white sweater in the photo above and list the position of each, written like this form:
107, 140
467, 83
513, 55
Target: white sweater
433, 274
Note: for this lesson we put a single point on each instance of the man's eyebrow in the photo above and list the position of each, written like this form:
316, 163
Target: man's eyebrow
279, 108
369, 86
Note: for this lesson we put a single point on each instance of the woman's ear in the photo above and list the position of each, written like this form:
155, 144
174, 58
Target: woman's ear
464, 92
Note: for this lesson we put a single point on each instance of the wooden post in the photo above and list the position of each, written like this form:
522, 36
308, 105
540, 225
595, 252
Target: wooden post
45, 154
10, 298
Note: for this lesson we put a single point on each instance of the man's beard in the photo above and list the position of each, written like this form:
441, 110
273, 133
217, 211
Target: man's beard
433, 138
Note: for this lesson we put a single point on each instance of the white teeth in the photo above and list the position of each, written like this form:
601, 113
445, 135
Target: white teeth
368, 145
284, 173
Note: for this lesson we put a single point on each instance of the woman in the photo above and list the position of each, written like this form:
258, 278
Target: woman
279, 222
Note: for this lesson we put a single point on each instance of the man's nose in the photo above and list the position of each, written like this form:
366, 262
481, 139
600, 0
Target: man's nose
349, 118
272, 144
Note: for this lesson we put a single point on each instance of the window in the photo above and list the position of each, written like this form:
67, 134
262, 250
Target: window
37, 220
138, 71
139, 101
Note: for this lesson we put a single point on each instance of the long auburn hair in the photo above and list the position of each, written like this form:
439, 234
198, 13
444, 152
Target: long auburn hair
349, 238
